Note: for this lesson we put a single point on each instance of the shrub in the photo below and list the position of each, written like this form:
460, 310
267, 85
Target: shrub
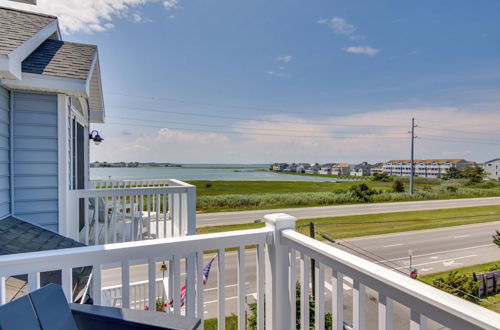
382, 177
460, 285
208, 185
398, 186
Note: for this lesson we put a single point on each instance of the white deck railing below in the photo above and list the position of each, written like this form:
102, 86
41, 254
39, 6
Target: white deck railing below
124, 211
277, 247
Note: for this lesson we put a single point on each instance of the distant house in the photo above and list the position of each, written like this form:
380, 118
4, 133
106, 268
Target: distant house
291, 168
279, 166
428, 168
326, 169
377, 168
341, 169
313, 169
492, 168
302, 167
362, 169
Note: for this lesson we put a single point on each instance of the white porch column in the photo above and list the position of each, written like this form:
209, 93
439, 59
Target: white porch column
277, 285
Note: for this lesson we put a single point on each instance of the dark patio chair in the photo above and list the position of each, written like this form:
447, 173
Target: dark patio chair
47, 309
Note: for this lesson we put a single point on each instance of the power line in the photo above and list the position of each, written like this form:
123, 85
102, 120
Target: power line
457, 131
257, 134
222, 105
237, 127
459, 141
245, 118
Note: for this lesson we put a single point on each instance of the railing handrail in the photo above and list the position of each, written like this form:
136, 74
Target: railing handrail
169, 182
86, 193
41, 261
425, 299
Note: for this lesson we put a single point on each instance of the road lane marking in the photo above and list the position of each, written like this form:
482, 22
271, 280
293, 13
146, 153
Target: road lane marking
440, 252
443, 261
227, 286
393, 245
461, 236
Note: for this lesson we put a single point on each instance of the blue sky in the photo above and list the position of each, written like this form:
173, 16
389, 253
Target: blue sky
288, 72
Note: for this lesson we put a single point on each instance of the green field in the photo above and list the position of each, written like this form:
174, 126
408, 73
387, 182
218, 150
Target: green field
216, 196
491, 302
213, 188
375, 224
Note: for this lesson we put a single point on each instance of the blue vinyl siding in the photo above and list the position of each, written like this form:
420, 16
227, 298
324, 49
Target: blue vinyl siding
4, 153
35, 158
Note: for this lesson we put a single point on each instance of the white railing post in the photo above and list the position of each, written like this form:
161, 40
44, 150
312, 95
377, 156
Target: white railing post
277, 268
191, 211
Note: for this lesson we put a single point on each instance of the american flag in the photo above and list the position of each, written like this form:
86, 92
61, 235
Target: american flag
205, 272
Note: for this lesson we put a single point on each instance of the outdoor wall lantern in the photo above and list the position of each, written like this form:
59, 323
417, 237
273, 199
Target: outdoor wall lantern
94, 135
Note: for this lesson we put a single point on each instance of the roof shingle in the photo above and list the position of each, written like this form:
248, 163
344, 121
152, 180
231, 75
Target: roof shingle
61, 59
17, 26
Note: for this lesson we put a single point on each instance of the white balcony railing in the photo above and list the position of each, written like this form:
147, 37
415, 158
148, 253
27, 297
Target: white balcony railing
277, 246
124, 211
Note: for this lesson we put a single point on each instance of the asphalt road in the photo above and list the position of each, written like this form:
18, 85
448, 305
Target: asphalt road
432, 251
228, 218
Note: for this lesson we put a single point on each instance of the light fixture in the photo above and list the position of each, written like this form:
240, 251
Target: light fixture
94, 135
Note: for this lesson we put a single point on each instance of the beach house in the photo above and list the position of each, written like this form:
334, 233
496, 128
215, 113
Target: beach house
50, 92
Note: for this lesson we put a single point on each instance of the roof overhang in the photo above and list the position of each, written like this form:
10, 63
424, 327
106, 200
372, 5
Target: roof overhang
10, 64
89, 89
94, 92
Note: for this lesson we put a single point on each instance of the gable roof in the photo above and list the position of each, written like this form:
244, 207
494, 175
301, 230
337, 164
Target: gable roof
17, 26
61, 59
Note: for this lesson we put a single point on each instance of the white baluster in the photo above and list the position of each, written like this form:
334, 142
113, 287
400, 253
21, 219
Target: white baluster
87, 225
125, 284
319, 296
158, 215
199, 286
261, 271
176, 285
337, 300
190, 300
67, 283
305, 267
358, 305
221, 295
96, 285
96, 221
124, 210
293, 285
2, 291
33, 281
113, 218
151, 284
384, 312
241, 288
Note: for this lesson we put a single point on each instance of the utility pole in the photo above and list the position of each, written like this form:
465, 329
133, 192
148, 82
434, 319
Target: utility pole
313, 264
412, 165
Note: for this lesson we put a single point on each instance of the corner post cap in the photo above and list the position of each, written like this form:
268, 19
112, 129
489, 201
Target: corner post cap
280, 221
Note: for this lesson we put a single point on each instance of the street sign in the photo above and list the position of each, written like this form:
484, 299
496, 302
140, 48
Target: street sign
413, 273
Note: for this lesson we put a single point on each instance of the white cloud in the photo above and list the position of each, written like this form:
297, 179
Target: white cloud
340, 26
364, 50
293, 139
171, 4
284, 58
279, 74
86, 16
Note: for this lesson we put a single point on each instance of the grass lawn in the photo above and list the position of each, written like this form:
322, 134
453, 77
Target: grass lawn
374, 224
212, 188
491, 302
